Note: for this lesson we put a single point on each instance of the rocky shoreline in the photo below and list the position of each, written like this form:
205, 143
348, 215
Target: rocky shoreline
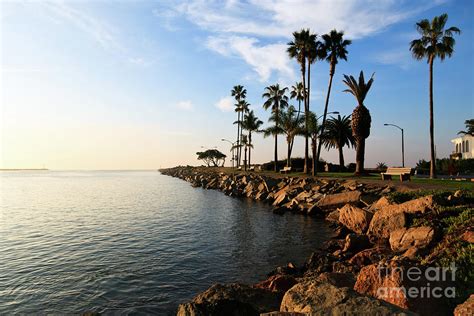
388, 247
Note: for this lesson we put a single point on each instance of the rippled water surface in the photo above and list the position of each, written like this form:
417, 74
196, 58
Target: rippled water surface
132, 242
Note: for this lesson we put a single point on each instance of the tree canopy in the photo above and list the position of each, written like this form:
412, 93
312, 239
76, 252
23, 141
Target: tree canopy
212, 157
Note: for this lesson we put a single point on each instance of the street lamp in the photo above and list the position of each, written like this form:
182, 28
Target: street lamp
403, 145
232, 148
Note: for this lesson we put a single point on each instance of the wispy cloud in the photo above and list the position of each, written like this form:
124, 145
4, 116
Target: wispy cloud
185, 105
225, 104
396, 57
103, 33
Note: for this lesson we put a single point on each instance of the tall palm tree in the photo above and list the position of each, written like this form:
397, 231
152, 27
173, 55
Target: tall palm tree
291, 125
337, 134
361, 119
334, 47
276, 99
239, 93
435, 41
299, 49
252, 124
469, 128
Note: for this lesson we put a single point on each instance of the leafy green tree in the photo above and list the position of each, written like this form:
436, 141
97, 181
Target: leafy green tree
212, 157
276, 100
361, 119
435, 42
337, 134
469, 128
252, 124
334, 46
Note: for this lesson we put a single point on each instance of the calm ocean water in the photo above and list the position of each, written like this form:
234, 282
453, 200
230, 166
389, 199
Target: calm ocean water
132, 242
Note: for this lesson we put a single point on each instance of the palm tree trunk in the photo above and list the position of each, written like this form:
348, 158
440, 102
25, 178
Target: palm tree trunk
332, 70
341, 158
432, 146
288, 157
238, 133
303, 76
313, 148
306, 111
245, 158
276, 139
250, 146
360, 150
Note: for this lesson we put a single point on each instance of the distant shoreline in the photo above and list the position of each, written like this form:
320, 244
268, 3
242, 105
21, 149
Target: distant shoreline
27, 169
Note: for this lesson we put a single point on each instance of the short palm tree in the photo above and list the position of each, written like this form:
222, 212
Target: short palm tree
469, 128
334, 47
337, 134
435, 41
299, 49
297, 93
313, 132
291, 125
246, 145
361, 119
239, 93
252, 124
276, 100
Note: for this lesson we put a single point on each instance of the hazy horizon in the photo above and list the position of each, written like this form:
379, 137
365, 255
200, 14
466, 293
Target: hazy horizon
143, 85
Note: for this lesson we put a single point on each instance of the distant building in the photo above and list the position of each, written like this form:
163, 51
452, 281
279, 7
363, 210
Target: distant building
463, 147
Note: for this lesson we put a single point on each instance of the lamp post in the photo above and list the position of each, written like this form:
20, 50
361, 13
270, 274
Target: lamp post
232, 148
403, 142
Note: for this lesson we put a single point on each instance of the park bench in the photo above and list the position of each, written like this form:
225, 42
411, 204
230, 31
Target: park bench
252, 168
285, 170
404, 173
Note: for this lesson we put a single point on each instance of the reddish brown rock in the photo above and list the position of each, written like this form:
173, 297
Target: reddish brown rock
367, 257
420, 205
339, 199
386, 221
354, 218
381, 203
468, 236
418, 237
466, 308
277, 283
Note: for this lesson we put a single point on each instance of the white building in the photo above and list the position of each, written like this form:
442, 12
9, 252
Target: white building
463, 147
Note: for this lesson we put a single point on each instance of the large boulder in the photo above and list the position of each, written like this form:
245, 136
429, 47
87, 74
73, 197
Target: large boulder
354, 243
354, 218
231, 299
420, 205
386, 221
407, 286
339, 199
466, 308
367, 257
318, 298
381, 203
418, 237
281, 197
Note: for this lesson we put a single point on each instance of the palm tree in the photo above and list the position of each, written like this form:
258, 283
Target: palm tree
276, 100
297, 93
313, 132
338, 134
291, 125
299, 49
252, 124
361, 119
469, 128
334, 47
435, 41
239, 93
246, 145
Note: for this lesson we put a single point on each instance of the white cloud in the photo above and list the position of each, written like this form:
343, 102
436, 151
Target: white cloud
139, 61
264, 59
225, 104
185, 105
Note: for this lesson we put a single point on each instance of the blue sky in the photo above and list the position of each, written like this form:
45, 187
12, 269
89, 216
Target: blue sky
145, 84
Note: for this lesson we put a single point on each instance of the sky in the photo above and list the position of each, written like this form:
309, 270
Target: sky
146, 84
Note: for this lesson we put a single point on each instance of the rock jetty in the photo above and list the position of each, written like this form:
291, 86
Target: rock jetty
393, 253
